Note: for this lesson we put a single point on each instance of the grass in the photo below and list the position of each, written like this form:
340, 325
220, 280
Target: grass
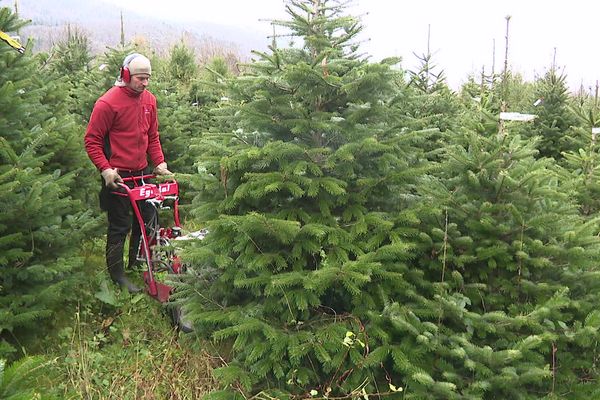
106, 344
114, 345
132, 352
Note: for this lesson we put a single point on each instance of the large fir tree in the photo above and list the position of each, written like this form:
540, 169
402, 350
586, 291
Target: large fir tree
303, 243
510, 268
40, 222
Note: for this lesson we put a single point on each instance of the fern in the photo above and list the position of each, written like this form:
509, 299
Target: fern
18, 380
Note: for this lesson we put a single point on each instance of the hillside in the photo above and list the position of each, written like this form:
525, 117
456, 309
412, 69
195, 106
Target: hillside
101, 22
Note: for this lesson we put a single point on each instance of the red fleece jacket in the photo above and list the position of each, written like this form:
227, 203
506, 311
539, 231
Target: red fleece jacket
131, 123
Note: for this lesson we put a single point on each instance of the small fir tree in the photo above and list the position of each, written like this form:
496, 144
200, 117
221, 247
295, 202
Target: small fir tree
90, 84
182, 116
72, 55
555, 119
581, 172
182, 64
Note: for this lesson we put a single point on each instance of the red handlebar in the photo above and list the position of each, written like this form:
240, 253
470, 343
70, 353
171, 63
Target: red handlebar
138, 178
148, 190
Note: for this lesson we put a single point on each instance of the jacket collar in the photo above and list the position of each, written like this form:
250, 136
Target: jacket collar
130, 92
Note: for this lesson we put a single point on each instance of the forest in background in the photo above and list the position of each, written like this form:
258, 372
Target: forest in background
372, 233
103, 23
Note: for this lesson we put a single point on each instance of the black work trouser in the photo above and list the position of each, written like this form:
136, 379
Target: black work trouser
122, 220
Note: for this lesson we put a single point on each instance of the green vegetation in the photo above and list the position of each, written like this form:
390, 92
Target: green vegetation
372, 234
129, 351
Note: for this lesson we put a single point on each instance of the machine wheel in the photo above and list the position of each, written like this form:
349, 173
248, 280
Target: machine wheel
175, 311
179, 320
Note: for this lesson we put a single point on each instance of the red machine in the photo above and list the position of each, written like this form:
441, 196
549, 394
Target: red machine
155, 247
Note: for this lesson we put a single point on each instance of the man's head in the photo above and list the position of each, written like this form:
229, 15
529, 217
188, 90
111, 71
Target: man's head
135, 72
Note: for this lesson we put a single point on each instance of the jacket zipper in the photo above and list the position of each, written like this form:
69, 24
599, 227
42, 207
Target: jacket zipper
139, 129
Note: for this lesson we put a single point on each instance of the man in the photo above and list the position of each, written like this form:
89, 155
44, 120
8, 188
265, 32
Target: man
120, 137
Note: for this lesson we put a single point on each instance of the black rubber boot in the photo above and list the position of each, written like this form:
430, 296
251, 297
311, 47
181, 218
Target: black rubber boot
134, 245
114, 262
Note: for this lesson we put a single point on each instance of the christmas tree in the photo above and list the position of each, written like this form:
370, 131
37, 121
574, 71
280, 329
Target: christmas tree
41, 156
305, 205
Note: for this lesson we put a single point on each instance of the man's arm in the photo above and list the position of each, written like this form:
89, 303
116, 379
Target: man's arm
154, 148
97, 129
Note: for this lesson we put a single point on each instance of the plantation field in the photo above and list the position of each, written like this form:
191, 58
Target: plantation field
372, 233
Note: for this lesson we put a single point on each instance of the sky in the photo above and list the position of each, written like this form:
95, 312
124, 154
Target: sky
465, 35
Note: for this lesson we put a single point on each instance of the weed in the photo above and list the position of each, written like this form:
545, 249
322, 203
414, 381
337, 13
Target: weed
132, 354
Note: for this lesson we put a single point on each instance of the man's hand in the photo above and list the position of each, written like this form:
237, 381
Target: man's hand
111, 177
161, 169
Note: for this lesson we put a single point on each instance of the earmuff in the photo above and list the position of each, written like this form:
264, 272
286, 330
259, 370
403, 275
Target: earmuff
125, 74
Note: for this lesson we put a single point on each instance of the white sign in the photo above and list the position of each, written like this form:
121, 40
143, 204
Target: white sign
515, 116
145, 193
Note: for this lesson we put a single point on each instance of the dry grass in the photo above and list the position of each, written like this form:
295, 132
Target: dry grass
135, 355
